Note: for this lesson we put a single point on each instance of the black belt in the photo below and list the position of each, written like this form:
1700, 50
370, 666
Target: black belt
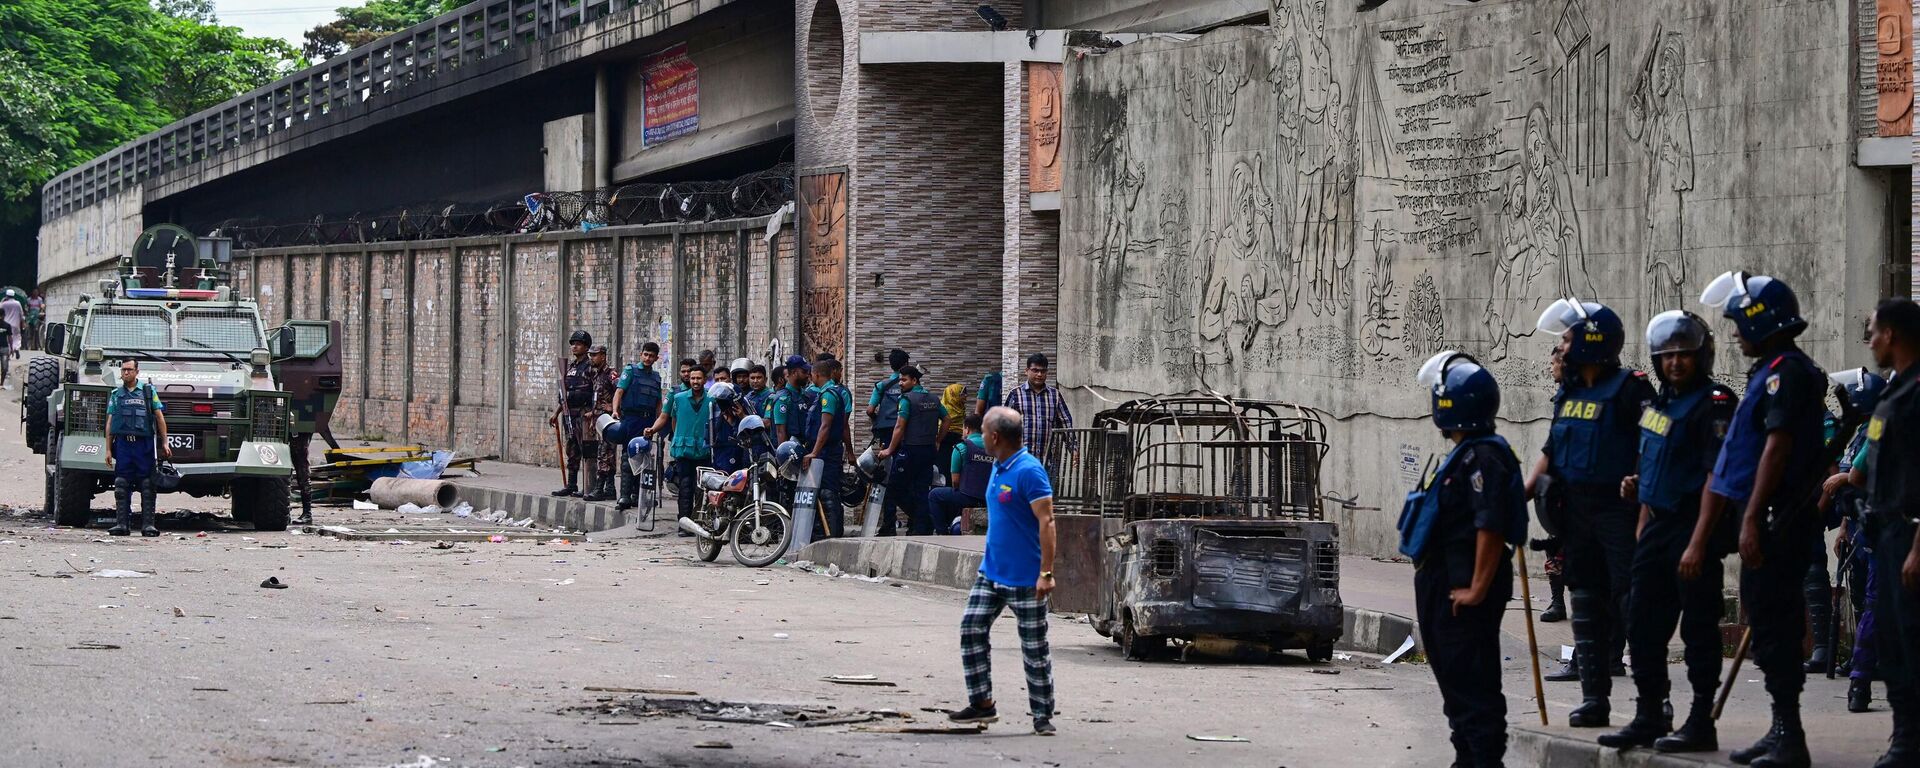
136, 438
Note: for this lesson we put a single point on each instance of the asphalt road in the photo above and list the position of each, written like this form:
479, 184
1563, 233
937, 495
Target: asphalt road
382, 654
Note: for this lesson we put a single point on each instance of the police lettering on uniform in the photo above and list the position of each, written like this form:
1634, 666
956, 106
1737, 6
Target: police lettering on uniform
1767, 475
136, 425
1591, 448
1458, 528
916, 433
1843, 498
1893, 506
575, 398
1680, 434
638, 396
828, 411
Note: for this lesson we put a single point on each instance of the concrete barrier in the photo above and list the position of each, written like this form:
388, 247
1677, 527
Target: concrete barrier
547, 511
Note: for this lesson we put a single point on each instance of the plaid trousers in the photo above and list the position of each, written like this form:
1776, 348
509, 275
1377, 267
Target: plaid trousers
984, 603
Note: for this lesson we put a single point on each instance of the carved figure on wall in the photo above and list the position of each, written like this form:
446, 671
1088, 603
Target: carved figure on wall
1541, 244
1657, 119
1425, 328
1376, 325
1324, 168
1119, 181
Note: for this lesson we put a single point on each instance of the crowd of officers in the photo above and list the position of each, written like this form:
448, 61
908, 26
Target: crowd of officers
925, 454
1647, 483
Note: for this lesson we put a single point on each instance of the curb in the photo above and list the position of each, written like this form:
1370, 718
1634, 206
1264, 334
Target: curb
1361, 630
1548, 749
547, 511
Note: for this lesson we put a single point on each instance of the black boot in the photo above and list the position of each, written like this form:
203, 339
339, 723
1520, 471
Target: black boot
1761, 747
1790, 747
629, 490
1903, 748
122, 508
570, 489
1698, 734
1569, 671
1557, 609
597, 490
1859, 694
1592, 650
1819, 618
147, 528
1649, 724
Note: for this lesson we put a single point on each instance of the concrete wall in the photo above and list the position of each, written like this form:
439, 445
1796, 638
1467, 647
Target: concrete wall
90, 236
745, 56
1145, 15
457, 343
1308, 211
567, 144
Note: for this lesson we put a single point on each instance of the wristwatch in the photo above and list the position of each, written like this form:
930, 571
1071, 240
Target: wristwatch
1046, 574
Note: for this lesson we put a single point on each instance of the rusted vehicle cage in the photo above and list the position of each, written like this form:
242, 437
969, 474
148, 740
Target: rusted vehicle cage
1192, 517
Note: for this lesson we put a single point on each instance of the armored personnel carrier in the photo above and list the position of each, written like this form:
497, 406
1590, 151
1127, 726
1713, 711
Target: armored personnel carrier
215, 367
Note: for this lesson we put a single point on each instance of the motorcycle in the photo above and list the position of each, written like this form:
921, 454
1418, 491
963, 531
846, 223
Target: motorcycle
736, 508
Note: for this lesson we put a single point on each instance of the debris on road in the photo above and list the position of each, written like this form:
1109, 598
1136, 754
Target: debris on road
1406, 645
858, 680
925, 729
116, 573
739, 713
713, 745
1219, 739
652, 691
179, 614
93, 646
272, 582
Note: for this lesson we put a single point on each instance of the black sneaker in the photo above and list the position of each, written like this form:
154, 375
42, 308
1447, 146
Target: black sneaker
1043, 726
981, 715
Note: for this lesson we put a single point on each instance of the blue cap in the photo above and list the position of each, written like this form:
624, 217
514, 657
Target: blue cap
797, 361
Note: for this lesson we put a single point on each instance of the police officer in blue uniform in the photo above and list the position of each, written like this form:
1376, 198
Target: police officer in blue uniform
828, 412
916, 434
1768, 476
728, 454
1843, 500
638, 399
136, 423
1591, 448
1893, 503
787, 408
1680, 434
1459, 530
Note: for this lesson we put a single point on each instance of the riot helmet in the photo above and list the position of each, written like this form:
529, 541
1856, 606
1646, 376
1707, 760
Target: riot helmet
1863, 388
1759, 306
581, 337
750, 426
638, 450
1465, 396
723, 394
789, 459
1679, 331
1598, 334
870, 466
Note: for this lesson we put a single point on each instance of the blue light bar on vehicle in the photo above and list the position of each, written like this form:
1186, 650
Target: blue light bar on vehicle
192, 294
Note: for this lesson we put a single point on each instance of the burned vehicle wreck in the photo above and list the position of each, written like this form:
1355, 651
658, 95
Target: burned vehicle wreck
1195, 519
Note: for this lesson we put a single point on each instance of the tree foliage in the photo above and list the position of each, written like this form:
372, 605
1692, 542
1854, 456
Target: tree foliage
34, 139
357, 26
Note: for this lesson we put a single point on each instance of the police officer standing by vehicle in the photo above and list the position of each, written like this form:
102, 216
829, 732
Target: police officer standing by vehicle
576, 396
1591, 448
1768, 472
1459, 529
1893, 504
136, 423
637, 396
916, 433
1680, 434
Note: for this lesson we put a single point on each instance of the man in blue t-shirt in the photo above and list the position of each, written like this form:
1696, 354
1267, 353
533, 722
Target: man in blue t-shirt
1017, 572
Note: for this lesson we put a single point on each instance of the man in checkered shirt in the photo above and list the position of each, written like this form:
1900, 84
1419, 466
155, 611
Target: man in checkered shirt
1017, 573
1042, 409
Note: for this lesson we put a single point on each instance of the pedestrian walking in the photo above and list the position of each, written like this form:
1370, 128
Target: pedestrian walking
1016, 572
1042, 410
574, 400
916, 435
1768, 475
637, 395
1676, 562
604, 453
968, 466
1591, 448
689, 414
1459, 529
136, 428
829, 410
1893, 509
14, 315
36, 316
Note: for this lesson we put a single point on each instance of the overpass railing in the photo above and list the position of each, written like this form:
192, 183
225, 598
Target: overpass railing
472, 37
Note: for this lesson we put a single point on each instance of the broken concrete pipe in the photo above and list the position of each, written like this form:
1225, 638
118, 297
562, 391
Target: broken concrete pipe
391, 492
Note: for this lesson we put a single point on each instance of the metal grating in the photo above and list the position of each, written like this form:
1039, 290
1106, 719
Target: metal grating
1226, 478
224, 330
129, 328
309, 340
1166, 558
86, 412
1326, 564
270, 418
1092, 480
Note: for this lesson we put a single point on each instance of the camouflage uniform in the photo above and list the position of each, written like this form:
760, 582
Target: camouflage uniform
603, 390
575, 399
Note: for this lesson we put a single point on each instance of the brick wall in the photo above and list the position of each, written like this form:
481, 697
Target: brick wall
429, 391
480, 323
1030, 264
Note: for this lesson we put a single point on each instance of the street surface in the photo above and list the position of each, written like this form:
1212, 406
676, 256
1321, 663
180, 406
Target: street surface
383, 654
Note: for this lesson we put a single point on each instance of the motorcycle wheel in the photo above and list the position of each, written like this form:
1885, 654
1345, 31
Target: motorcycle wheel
761, 534
709, 549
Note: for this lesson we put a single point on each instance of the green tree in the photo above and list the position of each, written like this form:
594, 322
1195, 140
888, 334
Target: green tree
357, 26
32, 137
201, 63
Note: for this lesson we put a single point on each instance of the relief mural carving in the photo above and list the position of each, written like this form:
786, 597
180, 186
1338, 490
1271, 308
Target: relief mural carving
1320, 201
823, 300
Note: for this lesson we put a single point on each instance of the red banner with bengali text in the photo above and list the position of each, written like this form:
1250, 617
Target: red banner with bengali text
672, 96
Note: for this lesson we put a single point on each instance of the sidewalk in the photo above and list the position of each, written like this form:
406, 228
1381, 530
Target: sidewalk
523, 490
1378, 596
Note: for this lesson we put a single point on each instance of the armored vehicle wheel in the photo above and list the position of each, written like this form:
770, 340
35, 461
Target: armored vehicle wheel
69, 493
43, 377
1320, 651
1139, 648
263, 500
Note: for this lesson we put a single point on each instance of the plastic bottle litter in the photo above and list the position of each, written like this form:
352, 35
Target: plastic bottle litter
409, 508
